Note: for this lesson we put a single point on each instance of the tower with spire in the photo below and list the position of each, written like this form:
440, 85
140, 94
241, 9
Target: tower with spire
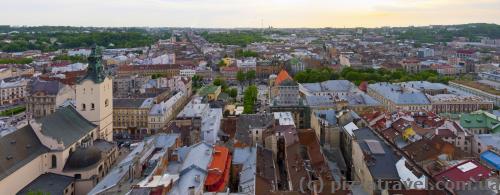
95, 69
94, 96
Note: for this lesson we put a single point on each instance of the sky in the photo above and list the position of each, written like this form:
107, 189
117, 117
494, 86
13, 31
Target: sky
248, 13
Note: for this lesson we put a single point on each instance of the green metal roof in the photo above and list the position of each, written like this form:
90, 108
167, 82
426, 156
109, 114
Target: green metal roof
95, 71
481, 119
208, 89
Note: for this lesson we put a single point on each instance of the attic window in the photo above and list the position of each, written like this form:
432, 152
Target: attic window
467, 120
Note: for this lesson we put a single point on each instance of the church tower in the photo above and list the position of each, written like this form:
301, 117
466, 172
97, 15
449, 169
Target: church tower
94, 96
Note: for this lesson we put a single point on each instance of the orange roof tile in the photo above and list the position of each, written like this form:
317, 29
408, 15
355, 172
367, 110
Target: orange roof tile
282, 76
218, 170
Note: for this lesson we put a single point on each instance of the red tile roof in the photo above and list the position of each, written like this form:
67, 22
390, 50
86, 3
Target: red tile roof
363, 86
468, 171
218, 170
465, 51
282, 76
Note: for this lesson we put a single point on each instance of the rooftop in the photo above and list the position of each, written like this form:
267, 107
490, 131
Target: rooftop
320, 100
132, 102
282, 76
479, 86
330, 86
383, 165
492, 159
48, 87
248, 171
208, 90
19, 148
210, 125
399, 94
467, 171
480, 119
246, 122
140, 152
492, 140
194, 168
284, 118
218, 170
66, 125
431, 149
193, 110
329, 116
48, 183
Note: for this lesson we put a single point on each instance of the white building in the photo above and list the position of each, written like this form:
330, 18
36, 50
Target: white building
187, 72
70, 68
79, 52
247, 64
161, 113
284, 118
210, 125
12, 92
164, 59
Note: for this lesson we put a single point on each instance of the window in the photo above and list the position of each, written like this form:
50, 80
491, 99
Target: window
78, 176
92, 106
106, 103
83, 107
54, 162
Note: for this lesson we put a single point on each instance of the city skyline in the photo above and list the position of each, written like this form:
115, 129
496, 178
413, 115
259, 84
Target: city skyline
242, 14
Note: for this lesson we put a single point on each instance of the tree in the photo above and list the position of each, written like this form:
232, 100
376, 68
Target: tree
221, 63
250, 76
233, 92
73, 59
220, 82
197, 81
16, 60
245, 53
157, 75
240, 77
249, 99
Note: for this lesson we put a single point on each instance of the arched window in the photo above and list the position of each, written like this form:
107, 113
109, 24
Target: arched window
54, 161
106, 103
84, 107
92, 106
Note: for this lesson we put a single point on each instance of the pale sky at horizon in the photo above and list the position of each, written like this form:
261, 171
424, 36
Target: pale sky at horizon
248, 13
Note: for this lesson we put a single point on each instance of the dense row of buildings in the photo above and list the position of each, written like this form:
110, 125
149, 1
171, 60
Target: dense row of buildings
135, 121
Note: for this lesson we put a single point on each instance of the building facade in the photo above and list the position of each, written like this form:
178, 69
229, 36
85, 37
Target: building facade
46, 96
13, 92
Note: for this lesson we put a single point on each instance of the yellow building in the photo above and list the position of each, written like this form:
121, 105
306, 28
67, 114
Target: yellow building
228, 61
210, 92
